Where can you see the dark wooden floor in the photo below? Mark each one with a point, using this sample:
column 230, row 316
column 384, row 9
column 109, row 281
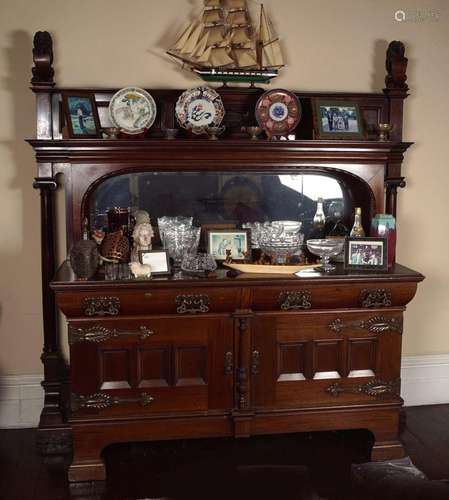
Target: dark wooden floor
column 303, row 466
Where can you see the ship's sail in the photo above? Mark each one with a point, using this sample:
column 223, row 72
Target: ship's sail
column 223, row 37
column 271, row 53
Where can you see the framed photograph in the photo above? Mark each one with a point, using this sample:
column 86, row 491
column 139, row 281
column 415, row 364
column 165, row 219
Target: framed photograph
column 237, row 241
column 81, row 115
column 369, row 254
column 337, row 120
column 157, row 259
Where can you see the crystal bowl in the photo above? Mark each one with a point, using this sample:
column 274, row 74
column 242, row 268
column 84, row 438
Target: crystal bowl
column 326, row 248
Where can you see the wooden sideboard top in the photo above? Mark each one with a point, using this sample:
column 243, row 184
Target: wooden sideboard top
column 65, row 279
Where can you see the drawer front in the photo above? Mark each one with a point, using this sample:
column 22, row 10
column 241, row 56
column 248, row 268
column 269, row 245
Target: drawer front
column 303, row 298
column 113, row 302
column 151, row 365
column 326, row 357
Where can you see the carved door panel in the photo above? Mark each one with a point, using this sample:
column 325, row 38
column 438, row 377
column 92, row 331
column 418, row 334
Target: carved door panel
column 142, row 365
column 303, row 359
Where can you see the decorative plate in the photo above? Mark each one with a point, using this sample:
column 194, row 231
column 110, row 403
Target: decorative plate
column 278, row 112
column 132, row 110
column 199, row 108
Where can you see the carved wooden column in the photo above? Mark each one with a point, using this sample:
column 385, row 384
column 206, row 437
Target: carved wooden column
column 396, row 86
column 396, row 91
column 53, row 437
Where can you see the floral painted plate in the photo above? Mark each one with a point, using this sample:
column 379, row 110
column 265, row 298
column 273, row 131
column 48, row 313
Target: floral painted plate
column 132, row 110
column 199, row 108
column 278, row 112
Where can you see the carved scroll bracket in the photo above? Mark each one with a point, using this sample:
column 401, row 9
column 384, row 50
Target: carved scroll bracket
column 43, row 71
column 101, row 401
column 375, row 388
column 301, row 299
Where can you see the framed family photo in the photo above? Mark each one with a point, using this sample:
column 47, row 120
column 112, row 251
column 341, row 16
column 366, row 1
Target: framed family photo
column 158, row 260
column 337, row 120
column 221, row 242
column 81, row 115
column 369, row 254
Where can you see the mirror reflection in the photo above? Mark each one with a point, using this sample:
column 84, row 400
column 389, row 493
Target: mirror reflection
column 224, row 199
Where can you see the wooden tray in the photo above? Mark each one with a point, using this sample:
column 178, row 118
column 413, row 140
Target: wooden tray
column 268, row 269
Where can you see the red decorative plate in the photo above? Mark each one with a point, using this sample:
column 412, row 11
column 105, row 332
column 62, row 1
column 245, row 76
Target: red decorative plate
column 278, row 112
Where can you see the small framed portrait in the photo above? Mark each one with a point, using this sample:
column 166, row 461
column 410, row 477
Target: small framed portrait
column 337, row 120
column 158, row 260
column 81, row 115
column 235, row 243
column 369, row 254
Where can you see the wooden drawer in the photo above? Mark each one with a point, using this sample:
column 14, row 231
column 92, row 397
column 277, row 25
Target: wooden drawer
column 297, row 298
column 151, row 365
column 324, row 357
column 116, row 302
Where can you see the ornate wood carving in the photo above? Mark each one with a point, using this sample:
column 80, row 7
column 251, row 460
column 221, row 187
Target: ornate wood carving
column 101, row 401
column 101, row 306
column 43, row 71
column 192, row 304
column 375, row 324
column 375, row 388
column 396, row 66
column 98, row 334
column 392, row 186
column 242, row 371
column 229, row 363
column 380, row 297
column 301, row 299
column 255, row 362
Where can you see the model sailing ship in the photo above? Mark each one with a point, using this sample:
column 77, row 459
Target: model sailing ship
column 223, row 45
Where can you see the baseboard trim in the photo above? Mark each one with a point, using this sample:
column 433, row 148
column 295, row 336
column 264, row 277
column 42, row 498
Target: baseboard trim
column 21, row 401
column 425, row 381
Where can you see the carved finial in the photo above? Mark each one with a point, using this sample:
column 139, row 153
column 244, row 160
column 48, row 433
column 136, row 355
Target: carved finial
column 43, row 59
column 396, row 65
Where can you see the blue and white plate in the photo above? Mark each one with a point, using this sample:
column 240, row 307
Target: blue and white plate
column 199, row 108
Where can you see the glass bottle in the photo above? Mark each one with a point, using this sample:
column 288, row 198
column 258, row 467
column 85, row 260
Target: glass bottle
column 319, row 219
column 357, row 230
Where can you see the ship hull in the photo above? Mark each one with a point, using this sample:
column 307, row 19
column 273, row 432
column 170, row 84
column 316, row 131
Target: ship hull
column 236, row 76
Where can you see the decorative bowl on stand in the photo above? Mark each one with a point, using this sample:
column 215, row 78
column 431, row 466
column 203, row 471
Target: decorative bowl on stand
column 325, row 249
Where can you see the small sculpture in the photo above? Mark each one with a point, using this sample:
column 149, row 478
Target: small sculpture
column 84, row 259
column 142, row 236
column 139, row 270
column 228, row 259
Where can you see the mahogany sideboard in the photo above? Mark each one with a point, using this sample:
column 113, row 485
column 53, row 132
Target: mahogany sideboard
column 182, row 357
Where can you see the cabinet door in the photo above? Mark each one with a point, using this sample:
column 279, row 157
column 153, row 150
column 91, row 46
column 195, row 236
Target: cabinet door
column 151, row 365
column 307, row 359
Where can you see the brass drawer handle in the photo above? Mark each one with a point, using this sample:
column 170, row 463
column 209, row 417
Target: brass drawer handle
column 102, row 401
column 101, row 306
column 98, row 334
column 229, row 363
column 191, row 304
column 295, row 300
column 148, row 295
column 379, row 297
column 375, row 324
column 255, row 362
column 375, row 388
